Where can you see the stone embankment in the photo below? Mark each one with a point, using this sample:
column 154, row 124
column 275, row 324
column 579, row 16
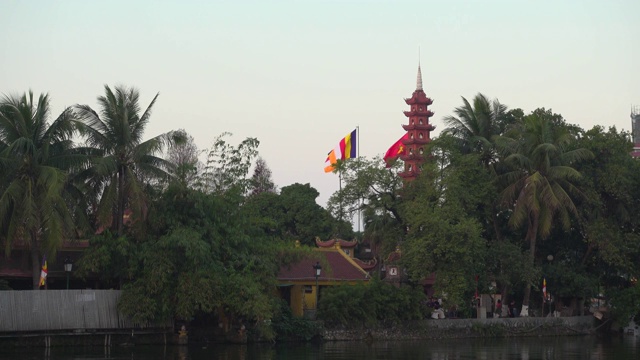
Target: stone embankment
column 466, row 328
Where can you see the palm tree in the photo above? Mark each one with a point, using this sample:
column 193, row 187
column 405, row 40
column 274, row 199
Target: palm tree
column 476, row 126
column 35, row 160
column 124, row 160
column 539, row 186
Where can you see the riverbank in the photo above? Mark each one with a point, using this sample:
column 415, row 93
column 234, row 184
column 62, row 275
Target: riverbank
column 468, row 328
column 414, row 330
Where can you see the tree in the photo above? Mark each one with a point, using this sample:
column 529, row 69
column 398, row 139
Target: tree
column 227, row 166
column 444, row 234
column 200, row 257
column 35, row 158
column 261, row 180
column 371, row 189
column 476, row 126
column 305, row 220
column 475, row 129
column 124, row 160
column 540, row 183
column 183, row 157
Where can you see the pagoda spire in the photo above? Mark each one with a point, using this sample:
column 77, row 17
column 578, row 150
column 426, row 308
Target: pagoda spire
column 418, row 131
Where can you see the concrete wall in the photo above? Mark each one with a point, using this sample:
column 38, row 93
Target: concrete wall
column 53, row 310
column 464, row 328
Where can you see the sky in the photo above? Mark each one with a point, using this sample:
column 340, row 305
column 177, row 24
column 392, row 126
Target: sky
column 300, row 75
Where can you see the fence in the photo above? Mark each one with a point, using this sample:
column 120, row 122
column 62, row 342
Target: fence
column 54, row 310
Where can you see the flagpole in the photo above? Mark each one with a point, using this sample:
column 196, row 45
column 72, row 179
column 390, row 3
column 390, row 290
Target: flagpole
column 360, row 200
column 340, row 192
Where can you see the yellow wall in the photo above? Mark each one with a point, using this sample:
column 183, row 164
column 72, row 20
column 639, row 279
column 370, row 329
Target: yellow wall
column 296, row 300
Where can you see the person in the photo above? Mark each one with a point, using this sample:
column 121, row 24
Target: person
column 498, row 312
column 512, row 309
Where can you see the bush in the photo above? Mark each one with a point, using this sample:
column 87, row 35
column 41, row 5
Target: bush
column 289, row 327
column 371, row 303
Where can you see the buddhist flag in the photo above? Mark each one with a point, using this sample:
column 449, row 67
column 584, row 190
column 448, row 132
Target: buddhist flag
column 347, row 148
column 395, row 150
column 44, row 272
column 544, row 288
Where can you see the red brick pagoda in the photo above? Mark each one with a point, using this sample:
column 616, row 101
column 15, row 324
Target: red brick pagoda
column 418, row 131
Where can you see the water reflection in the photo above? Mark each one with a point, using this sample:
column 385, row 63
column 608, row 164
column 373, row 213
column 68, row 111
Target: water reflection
column 543, row 348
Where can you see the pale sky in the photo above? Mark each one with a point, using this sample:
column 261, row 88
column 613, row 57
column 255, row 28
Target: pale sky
column 300, row 75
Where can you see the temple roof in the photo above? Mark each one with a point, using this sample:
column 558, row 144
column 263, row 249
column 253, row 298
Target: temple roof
column 332, row 243
column 394, row 256
column 366, row 265
column 336, row 266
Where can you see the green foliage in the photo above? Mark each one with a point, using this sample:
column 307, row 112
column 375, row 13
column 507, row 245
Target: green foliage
column 290, row 327
column 443, row 235
column 370, row 187
column 183, row 155
column 36, row 194
column 261, row 180
column 109, row 257
column 625, row 302
column 475, row 126
column 199, row 256
column 123, row 163
column 227, row 166
column 292, row 215
column 371, row 303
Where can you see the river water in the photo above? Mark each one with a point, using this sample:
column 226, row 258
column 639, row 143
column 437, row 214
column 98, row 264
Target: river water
column 575, row 347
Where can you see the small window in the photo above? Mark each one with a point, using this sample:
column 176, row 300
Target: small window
column 411, row 136
column 412, row 121
column 420, row 109
column 420, row 135
column 420, row 121
column 421, row 151
column 308, row 289
column 411, row 151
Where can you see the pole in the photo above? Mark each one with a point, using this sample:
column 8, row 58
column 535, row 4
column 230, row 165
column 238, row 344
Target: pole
column 360, row 205
column 67, row 280
column 340, row 192
column 317, row 292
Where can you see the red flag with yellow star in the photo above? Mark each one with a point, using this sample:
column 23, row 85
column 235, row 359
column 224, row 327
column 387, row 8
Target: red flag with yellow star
column 395, row 150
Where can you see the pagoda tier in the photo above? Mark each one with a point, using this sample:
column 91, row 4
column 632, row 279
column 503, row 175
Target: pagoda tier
column 415, row 141
column 421, row 113
column 419, row 97
column 408, row 175
column 423, row 127
column 409, row 157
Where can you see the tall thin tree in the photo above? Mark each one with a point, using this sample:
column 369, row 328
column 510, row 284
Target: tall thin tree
column 125, row 159
column 35, row 158
column 540, row 184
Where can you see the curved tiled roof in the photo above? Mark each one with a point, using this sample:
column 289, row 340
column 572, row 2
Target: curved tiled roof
column 394, row 256
column 366, row 265
column 332, row 242
column 336, row 266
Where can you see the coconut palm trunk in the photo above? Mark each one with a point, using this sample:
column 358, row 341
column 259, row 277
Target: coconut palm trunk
column 37, row 160
column 539, row 185
column 124, row 160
